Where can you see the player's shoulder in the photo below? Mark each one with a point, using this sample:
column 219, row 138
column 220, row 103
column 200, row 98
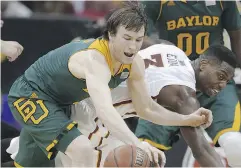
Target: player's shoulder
column 158, row 46
column 161, row 49
column 89, row 56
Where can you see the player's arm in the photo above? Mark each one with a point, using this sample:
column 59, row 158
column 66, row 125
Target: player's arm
column 148, row 109
column 235, row 39
column 232, row 23
column 186, row 103
column 97, row 74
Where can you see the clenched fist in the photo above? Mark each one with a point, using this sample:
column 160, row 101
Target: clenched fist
column 11, row 49
column 201, row 117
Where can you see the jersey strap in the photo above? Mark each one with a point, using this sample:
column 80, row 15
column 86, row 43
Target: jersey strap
column 103, row 47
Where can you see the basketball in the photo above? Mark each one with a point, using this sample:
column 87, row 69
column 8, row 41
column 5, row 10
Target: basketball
column 127, row 156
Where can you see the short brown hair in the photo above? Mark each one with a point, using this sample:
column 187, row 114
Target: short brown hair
column 131, row 15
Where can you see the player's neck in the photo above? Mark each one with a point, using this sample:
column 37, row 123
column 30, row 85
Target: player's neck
column 115, row 64
column 195, row 66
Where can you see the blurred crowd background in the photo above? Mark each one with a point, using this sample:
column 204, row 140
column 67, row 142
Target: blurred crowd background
column 89, row 9
column 40, row 26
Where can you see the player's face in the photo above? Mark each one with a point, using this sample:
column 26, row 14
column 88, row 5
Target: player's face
column 125, row 44
column 214, row 78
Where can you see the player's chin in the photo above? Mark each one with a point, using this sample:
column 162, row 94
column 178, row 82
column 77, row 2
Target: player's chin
column 128, row 60
column 208, row 92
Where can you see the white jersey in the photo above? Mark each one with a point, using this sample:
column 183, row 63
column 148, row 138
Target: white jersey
column 166, row 65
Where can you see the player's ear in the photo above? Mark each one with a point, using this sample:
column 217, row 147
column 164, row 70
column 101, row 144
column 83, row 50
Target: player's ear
column 203, row 64
column 110, row 35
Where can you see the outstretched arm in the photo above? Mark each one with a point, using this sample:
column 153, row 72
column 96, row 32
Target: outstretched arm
column 95, row 71
column 186, row 103
column 97, row 74
column 149, row 109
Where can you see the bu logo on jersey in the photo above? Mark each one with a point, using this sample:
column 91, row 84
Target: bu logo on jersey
column 124, row 75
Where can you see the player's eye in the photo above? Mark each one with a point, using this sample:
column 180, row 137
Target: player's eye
column 138, row 40
column 221, row 77
column 126, row 38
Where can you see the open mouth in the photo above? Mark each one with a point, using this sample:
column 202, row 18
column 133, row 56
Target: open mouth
column 128, row 54
column 214, row 92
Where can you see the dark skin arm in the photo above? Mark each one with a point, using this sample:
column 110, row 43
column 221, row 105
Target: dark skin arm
column 183, row 100
column 235, row 39
column 231, row 21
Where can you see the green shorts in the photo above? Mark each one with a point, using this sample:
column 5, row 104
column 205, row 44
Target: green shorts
column 226, row 117
column 47, row 128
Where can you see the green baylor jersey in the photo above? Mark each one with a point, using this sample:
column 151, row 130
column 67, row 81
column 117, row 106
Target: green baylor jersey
column 51, row 75
column 192, row 25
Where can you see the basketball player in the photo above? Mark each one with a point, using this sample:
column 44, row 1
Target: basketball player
column 193, row 26
column 171, row 81
column 173, row 96
column 40, row 98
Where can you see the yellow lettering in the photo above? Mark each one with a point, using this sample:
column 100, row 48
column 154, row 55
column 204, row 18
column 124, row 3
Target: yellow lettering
column 28, row 108
column 45, row 114
column 171, row 25
column 215, row 21
column 202, row 37
column 181, row 23
column 185, row 40
column 207, row 20
column 188, row 40
column 198, row 23
column 190, row 20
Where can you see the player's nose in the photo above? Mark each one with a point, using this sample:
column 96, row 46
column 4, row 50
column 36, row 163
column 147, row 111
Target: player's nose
column 132, row 46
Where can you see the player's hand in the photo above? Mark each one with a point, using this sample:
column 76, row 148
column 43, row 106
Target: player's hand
column 153, row 153
column 11, row 49
column 201, row 117
column 208, row 116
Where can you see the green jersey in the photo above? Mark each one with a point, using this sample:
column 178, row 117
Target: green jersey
column 51, row 75
column 192, row 25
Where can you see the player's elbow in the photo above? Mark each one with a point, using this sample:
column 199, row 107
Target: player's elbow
column 142, row 110
column 143, row 113
column 105, row 113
